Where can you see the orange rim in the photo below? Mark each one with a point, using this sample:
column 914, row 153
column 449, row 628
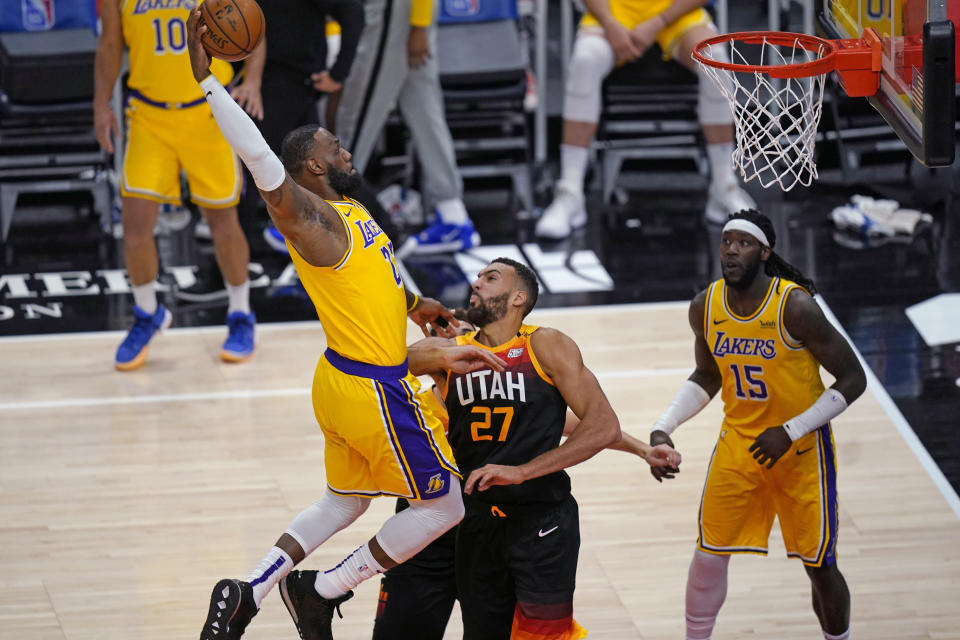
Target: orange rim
column 824, row 64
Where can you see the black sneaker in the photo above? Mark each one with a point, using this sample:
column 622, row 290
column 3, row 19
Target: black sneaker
column 311, row 612
column 231, row 610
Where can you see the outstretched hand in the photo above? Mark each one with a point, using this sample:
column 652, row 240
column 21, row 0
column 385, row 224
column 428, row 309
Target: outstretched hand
column 663, row 455
column 199, row 58
column 429, row 314
column 493, row 475
column 660, row 473
column 467, row 358
column 770, row 446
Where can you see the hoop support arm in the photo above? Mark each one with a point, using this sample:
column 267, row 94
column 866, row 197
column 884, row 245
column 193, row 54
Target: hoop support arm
column 858, row 64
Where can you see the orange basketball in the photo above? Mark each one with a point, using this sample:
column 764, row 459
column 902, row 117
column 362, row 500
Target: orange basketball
column 234, row 28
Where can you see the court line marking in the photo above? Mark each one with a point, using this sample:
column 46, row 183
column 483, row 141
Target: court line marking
column 897, row 418
column 247, row 394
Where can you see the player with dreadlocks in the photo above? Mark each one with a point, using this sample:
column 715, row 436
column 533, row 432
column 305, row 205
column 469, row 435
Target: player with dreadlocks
column 760, row 340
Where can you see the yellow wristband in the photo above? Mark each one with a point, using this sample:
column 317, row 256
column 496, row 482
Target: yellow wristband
column 416, row 301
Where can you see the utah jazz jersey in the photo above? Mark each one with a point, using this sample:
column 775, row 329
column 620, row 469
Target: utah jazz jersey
column 156, row 33
column 509, row 418
column 768, row 377
column 360, row 300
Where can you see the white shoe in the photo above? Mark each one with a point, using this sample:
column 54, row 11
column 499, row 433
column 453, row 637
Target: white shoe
column 726, row 199
column 564, row 214
column 202, row 230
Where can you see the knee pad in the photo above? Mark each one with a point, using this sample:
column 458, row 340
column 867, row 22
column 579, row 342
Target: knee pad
column 706, row 583
column 592, row 60
column 409, row 531
column 712, row 105
column 315, row 524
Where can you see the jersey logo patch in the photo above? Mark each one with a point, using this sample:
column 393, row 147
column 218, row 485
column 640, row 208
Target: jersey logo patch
column 434, row 484
column 768, row 325
column 715, row 321
column 542, row 533
column 515, row 353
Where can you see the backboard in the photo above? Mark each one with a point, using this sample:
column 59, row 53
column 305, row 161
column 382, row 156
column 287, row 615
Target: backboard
column 919, row 57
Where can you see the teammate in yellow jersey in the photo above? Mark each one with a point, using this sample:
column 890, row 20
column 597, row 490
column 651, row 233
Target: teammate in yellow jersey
column 379, row 440
column 169, row 128
column 760, row 340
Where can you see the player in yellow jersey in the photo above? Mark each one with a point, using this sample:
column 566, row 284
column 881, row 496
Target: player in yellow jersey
column 169, row 128
column 379, row 440
column 761, row 340
column 615, row 32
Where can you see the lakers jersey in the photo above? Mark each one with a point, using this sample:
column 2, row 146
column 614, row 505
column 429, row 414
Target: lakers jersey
column 155, row 31
column 768, row 377
column 360, row 301
column 507, row 417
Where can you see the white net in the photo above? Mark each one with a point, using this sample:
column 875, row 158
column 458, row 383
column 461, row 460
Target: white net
column 775, row 119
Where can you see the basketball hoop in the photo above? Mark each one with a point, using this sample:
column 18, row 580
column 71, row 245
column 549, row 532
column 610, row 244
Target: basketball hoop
column 774, row 83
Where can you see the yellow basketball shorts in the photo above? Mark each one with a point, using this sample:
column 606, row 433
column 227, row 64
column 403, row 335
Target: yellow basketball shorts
column 741, row 498
column 161, row 142
column 380, row 439
column 632, row 14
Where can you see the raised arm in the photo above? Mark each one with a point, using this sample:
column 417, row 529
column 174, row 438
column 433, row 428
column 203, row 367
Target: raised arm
column 106, row 68
column 301, row 216
column 599, row 428
column 804, row 321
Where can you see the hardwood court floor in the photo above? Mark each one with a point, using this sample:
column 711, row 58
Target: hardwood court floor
column 124, row 497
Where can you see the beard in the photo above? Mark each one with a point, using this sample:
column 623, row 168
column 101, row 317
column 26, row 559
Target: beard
column 749, row 274
column 342, row 182
column 488, row 311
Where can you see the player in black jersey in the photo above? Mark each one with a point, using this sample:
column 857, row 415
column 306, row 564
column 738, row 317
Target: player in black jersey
column 516, row 550
column 417, row 597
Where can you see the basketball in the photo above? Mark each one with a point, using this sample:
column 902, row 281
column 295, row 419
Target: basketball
column 234, row 28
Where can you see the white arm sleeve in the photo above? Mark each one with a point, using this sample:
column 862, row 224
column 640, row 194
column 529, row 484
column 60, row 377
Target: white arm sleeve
column 828, row 406
column 689, row 401
column 243, row 136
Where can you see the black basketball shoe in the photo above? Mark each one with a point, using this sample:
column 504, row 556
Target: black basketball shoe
column 231, row 610
column 311, row 612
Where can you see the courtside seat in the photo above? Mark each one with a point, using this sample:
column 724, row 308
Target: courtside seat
column 47, row 139
column 649, row 113
column 483, row 69
column 48, row 148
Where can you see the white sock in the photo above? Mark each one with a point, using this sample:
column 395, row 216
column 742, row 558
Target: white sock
column 843, row 636
column 706, row 591
column 145, row 296
column 573, row 165
column 355, row 568
column 721, row 166
column 452, row 211
column 274, row 566
column 238, row 297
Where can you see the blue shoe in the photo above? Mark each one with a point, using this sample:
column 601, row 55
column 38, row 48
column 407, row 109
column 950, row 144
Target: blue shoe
column 240, row 337
column 440, row 237
column 132, row 352
column 275, row 239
